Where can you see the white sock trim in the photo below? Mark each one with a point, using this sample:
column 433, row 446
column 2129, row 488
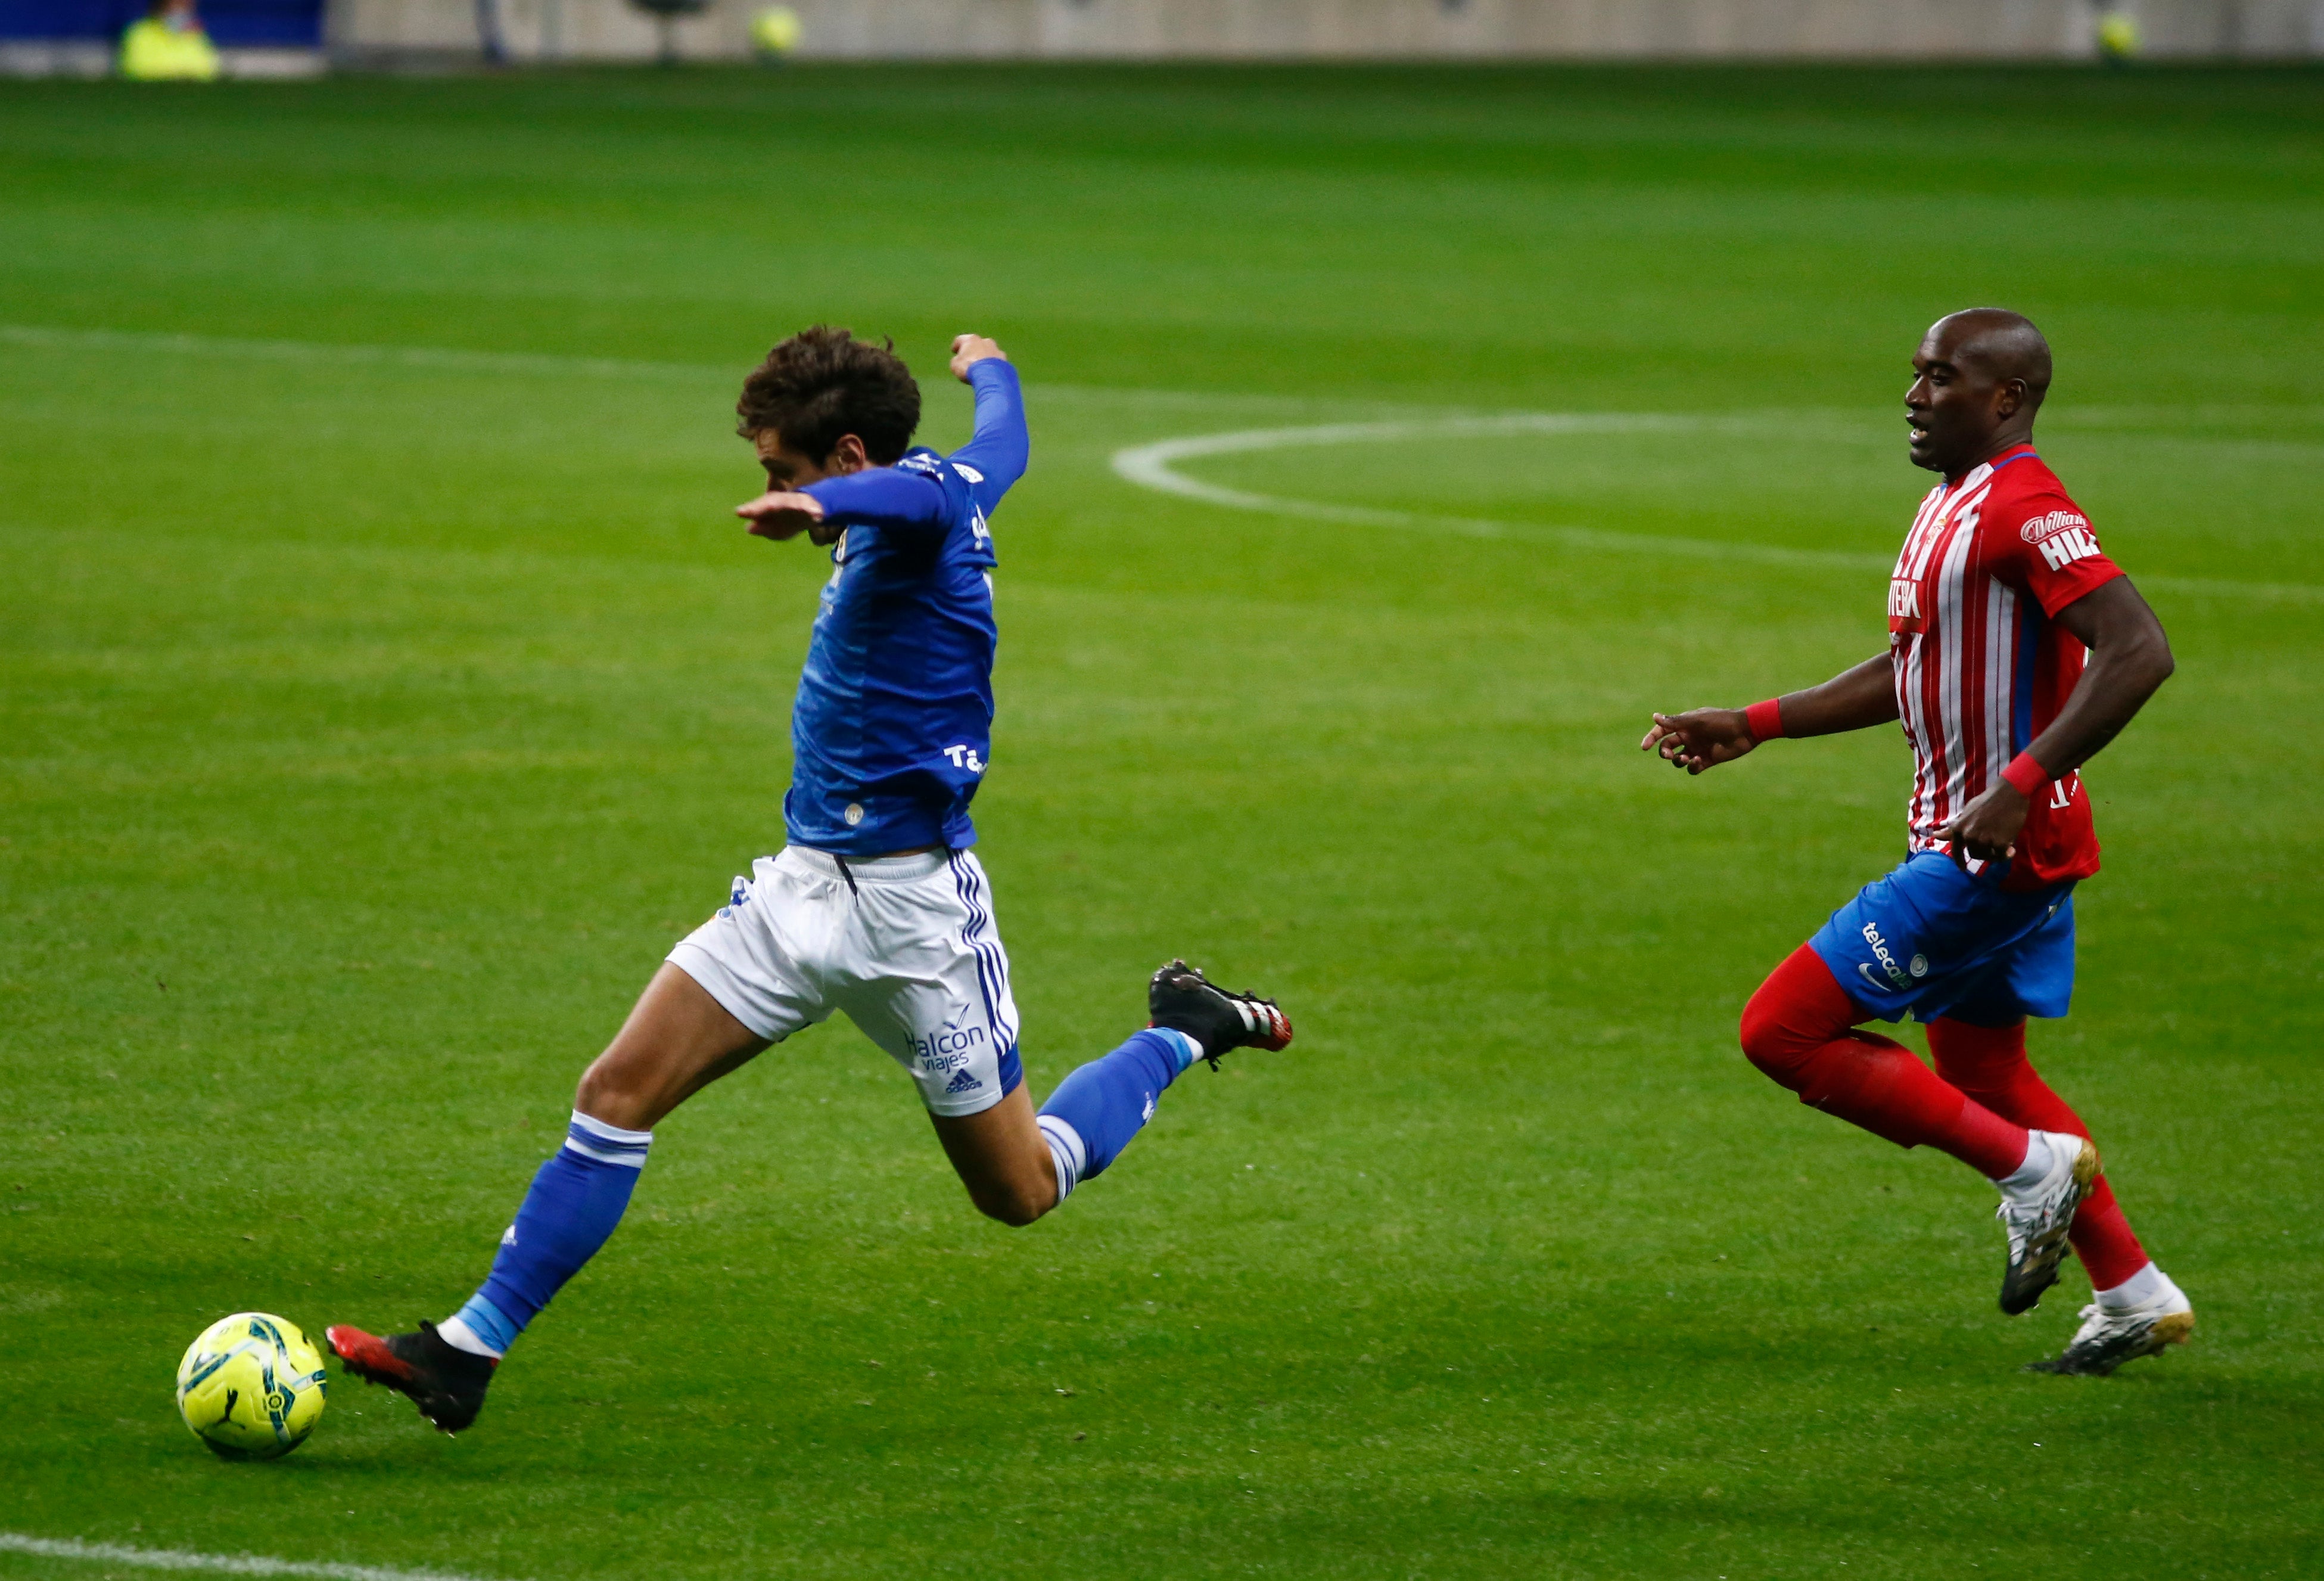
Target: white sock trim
column 2039, row 1161
column 608, row 1144
column 604, row 1133
column 1193, row 1050
column 1066, row 1151
column 460, row 1337
column 2148, row 1284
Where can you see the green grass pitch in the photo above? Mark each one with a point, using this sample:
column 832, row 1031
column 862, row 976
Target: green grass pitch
column 371, row 720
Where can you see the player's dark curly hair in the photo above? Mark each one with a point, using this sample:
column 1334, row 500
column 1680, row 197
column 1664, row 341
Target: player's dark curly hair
column 823, row 383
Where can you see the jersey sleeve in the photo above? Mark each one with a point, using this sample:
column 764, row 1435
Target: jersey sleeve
column 2044, row 545
column 881, row 496
column 997, row 454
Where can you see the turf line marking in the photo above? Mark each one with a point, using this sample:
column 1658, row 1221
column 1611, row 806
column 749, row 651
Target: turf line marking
column 53, row 336
column 554, row 364
column 2207, row 588
column 437, row 357
column 1151, row 465
column 46, row 1548
column 550, row 365
column 1154, row 466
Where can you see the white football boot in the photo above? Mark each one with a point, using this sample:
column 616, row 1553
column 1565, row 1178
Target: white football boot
column 2107, row 1338
column 2037, row 1217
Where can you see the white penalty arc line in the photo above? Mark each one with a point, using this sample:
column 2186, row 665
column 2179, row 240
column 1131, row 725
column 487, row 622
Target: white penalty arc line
column 50, row 1547
column 1154, row 466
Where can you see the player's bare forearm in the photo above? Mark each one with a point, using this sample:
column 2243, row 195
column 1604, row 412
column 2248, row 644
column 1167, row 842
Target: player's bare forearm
column 2130, row 659
column 1857, row 698
column 1701, row 738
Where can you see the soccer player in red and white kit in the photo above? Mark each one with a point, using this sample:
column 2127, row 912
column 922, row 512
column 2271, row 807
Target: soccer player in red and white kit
column 1999, row 593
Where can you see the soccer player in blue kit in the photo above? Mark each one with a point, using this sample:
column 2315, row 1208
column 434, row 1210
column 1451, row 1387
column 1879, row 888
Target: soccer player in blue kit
column 877, row 906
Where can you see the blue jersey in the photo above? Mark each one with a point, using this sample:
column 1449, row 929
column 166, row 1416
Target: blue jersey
column 893, row 726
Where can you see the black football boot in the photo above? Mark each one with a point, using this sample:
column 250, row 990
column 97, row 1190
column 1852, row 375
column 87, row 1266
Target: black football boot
column 1182, row 1000
column 445, row 1382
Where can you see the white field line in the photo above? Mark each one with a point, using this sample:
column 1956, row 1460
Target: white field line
column 552, row 362
column 1154, row 466
column 1149, row 466
column 557, row 364
column 107, row 1553
column 434, row 357
column 548, row 364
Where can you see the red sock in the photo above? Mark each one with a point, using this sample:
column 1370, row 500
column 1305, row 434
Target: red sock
column 1797, row 1029
column 1989, row 1064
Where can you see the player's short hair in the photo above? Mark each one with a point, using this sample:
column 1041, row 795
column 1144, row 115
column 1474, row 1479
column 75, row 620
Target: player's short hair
column 822, row 385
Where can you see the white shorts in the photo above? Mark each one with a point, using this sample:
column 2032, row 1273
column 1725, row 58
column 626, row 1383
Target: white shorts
column 905, row 945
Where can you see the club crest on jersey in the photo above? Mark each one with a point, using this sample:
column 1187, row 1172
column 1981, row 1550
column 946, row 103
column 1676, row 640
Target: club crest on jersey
column 2063, row 536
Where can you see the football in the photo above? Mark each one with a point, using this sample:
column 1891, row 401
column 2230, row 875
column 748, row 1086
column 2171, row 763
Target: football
column 252, row 1386
column 775, row 33
column 2118, row 36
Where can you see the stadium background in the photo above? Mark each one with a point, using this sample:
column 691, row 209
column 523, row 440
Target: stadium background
column 382, row 684
column 296, row 37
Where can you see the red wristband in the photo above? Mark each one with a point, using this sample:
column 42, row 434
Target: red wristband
column 2028, row 774
column 1764, row 721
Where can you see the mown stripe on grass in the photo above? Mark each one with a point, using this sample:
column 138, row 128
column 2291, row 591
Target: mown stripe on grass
column 53, row 1547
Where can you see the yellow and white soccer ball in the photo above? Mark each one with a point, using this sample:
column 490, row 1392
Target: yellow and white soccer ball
column 252, row 1386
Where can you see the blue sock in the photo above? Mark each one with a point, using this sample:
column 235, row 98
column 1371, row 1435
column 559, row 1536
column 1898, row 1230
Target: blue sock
column 1096, row 1110
column 576, row 1198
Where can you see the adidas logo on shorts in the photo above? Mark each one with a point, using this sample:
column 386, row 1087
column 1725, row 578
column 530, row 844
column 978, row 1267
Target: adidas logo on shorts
column 964, row 1081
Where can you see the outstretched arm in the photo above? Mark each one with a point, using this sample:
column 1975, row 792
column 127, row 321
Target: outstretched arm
column 878, row 496
column 885, row 496
column 2130, row 658
column 1700, row 738
column 1000, row 448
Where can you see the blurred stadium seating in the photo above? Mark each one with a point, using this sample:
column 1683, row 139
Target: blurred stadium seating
column 415, row 31
column 77, row 37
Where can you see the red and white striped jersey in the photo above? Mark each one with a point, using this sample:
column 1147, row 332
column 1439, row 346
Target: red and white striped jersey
column 1981, row 667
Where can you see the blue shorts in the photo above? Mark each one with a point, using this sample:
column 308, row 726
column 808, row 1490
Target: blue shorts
column 1930, row 940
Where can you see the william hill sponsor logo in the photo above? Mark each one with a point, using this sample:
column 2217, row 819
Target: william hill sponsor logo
column 2051, row 526
column 2063, row 536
